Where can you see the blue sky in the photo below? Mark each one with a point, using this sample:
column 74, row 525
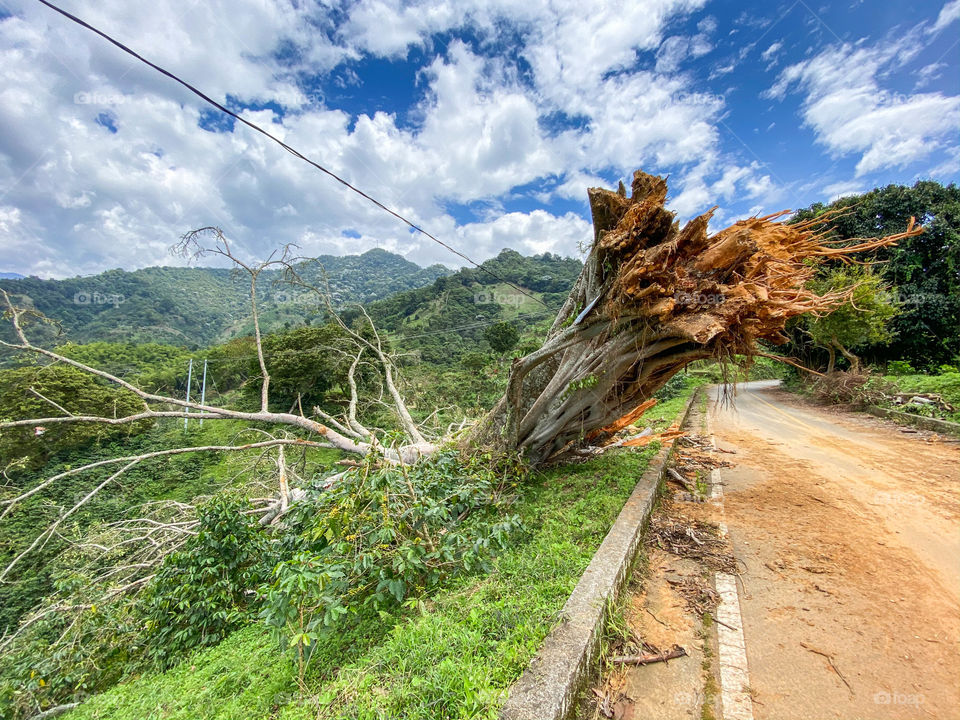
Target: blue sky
column 484, row 122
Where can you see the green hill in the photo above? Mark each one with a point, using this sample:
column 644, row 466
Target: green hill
column 201, row 306
column 447, row 319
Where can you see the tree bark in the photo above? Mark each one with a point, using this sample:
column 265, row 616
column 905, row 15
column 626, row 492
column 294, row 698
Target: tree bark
column 851, row 358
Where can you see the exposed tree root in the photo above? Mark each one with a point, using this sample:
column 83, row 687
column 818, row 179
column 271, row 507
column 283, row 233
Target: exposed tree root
column 652, row 298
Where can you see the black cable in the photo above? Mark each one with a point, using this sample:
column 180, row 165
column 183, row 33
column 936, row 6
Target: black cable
column 293, row 151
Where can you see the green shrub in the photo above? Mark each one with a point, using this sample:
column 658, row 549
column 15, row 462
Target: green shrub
column 900, row 367
column 200, row 593
column 384, row 535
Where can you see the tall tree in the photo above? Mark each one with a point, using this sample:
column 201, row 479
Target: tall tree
column 923, row 270
column 865, row 318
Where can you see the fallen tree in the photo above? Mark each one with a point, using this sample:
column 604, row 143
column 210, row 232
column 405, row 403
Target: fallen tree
column 651, row 299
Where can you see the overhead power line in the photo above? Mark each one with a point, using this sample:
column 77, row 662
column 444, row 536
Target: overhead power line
column 293, row 151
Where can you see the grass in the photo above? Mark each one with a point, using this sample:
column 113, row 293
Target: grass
column 454, row 657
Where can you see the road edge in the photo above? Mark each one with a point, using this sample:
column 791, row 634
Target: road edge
column 926, row 423
column 548, row 688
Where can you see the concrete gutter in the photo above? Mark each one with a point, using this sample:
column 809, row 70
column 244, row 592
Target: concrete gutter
column 549, row 686
column 927, row 423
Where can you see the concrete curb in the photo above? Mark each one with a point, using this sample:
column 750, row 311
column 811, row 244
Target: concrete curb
column 927, row 423
column 549, row 686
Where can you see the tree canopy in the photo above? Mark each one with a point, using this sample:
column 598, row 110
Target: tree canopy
column 923, row 270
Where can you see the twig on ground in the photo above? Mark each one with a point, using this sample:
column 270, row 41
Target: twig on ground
column 646, row 659
column 833, row 665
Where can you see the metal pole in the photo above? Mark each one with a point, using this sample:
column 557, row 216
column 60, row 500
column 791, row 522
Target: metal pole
column 189, row 382
column 203, row 388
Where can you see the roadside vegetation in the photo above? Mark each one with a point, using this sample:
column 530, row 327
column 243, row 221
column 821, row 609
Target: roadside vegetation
column 896, row 343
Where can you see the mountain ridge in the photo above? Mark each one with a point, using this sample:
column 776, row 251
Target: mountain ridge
column 195, row 306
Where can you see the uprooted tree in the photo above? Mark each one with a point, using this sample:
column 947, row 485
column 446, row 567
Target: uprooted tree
column 652, row 298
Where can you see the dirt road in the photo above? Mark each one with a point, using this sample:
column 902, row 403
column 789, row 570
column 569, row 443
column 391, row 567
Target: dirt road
column 848, row 535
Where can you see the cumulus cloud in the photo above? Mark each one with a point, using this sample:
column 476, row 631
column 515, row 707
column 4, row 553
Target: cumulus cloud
column 851, row 113
column 104, row 163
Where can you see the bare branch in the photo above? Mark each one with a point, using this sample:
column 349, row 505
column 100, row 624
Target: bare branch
column 51, row 402
column 10, row 503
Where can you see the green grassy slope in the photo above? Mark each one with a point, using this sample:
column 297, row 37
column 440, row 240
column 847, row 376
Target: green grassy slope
column 452, row 657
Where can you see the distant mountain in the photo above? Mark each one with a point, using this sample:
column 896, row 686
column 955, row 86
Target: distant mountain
column 444, row 320
column 202, row 306
column 10, row 276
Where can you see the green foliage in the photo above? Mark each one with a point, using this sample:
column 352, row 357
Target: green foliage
column 152, row 366
column 305, row 362
column 864, row 319
column 78, row 392
column 674, row 387
column 946, row 385
column 40, row 675
column 924, row 271
column 503, row 337
column 382, row 535
column 443, row 321
column 900, row 367
column 453, row 656
column 199, row 593
column 475, row 361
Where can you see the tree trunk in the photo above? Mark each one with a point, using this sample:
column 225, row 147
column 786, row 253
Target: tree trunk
column 851, row 358
column 651, row 299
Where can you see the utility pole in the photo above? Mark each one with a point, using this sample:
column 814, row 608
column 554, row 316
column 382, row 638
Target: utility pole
column 203, row 388
column 189, row 382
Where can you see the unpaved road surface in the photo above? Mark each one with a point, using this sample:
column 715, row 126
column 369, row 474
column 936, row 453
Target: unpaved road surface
column 847, row 532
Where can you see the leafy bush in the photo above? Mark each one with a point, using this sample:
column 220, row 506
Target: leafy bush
column 674, row 387
column 900, row 367
column 384, row 535
column 200, row 593
column 21, row 396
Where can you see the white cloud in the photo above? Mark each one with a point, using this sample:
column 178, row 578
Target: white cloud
column 770, row 55
column 949, row 14
column 837, row 190
column 851, row 114
column 86, row 198
column 772, row 50
column 534, row 232
column 676, row 49
column 928, row 73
